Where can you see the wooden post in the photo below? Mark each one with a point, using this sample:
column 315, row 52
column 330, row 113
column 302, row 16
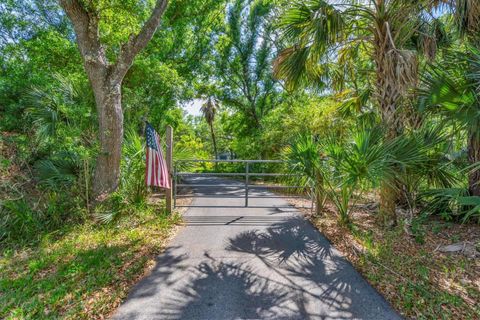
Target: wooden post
column 169, row 160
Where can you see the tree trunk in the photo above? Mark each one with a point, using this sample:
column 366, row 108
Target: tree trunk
column 388, row 200
column 214, row 141
column 319, row 194
column 387, row 96
column 474, row 158
column 106, row 81
column 110, row 119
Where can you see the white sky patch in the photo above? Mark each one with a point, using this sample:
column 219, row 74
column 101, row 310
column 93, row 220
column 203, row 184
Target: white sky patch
column 193, row 107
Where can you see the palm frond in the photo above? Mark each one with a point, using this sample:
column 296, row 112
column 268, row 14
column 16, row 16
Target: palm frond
column 452, row 202
column 49, row 107
column 209, row 109
column 312, row 27
column 303, row 160
column 61, row 170
column 452, row 91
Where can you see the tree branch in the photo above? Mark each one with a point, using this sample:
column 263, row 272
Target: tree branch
column 136, row 43
column 85, row 24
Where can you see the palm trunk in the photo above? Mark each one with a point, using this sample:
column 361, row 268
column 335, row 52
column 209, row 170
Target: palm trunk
column 319, row 195
column 474, row 158
column 110, row 119
column 387, row 95
column 212, row 132
column 388, row 194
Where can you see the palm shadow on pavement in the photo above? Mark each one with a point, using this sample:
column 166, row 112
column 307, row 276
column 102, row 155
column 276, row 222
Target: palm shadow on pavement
column 307, row 262
column 284, row 271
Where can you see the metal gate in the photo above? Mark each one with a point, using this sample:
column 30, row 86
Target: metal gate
column 246, row 186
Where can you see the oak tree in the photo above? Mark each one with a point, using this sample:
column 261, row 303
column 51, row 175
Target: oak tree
column 106, row 78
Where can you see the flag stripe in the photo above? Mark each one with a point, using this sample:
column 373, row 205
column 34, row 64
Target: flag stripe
column 156, row 167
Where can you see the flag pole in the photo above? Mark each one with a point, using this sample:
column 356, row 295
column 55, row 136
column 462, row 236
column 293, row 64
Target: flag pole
column 169, row 160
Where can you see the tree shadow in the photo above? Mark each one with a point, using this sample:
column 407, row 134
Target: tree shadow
column 286, row 270
column 218, row 290
column 291, row 237
column 307, row 262
column 166, row 264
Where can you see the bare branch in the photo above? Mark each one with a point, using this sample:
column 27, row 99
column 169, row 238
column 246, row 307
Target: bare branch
column 136, row 43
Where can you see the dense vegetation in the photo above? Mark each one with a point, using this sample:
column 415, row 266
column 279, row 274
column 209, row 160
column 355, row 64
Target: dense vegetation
column 363, row 99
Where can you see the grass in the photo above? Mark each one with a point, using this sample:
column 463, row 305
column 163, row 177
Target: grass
column 85, row 273
column 418, row 280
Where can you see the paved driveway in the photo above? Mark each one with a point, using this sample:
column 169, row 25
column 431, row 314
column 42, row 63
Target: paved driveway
column 264, row 262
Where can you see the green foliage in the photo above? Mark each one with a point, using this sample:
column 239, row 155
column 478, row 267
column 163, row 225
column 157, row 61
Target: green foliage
column 24, row 225
column 346, row 168
column 304, row 160
column 47, row 107
column 354, row 164
column 292, row 79
column 452, row 92
column 88, row 269
column 313, row 34
column 305, row 168
column 243, row 63
column 332, row 45
column 132, row 185
column 61, row 171
column 452, row 203
column 18, row 220
column 228, row 53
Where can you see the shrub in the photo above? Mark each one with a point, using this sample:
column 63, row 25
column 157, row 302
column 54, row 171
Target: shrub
column 452, row 203
column 22, row 223
column 18, row 221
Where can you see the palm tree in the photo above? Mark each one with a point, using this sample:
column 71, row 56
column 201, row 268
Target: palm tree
column 348, row 168
column 209, row 109
column 461, row 81
column 323, row 34
column 467, row 22
column 467, row 18
column 453, row 93
column 306, row 167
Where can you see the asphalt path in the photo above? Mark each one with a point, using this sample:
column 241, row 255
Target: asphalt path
column 261, row 262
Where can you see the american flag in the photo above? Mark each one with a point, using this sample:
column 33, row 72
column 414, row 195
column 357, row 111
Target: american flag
column 156, row 173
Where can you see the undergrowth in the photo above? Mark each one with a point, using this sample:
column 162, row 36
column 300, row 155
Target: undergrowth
column 408, row 271
column 85, row 272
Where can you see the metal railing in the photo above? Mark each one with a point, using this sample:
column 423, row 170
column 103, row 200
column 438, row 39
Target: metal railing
column 246, row 186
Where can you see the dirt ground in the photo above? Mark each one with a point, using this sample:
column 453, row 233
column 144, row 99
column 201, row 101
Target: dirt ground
column 411, row 271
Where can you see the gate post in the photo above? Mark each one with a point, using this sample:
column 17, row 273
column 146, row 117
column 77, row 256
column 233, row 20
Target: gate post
column 169, row 160
column 246, row 182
